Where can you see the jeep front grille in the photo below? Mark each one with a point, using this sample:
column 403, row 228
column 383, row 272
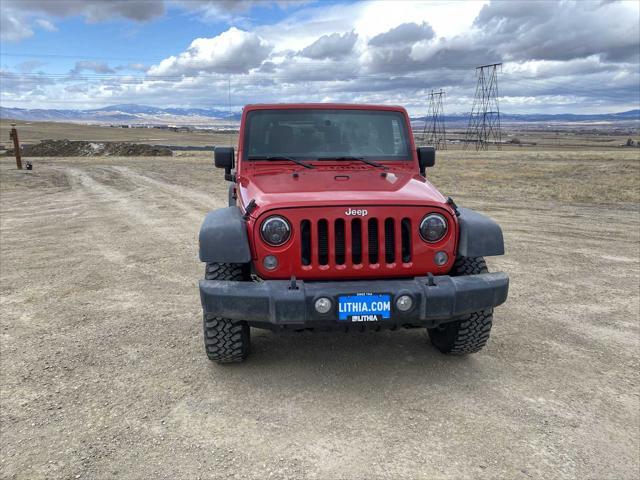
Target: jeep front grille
column 329, row 243
column 344, row 241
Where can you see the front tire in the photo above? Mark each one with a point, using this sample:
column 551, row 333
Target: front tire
column 470, row 333
column 225, row 340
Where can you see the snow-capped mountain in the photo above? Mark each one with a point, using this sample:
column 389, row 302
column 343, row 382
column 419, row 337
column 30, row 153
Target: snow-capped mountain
column 132, row 114
column 126, row 114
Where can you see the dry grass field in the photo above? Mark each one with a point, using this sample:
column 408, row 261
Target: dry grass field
column 33, row 132
column 568, row 138
column 103, row 373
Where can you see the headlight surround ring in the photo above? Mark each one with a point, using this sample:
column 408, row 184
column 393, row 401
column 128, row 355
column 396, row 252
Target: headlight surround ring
column 275, row 231
column 433, row 227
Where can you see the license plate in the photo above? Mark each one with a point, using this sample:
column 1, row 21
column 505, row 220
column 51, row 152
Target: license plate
column 364, row 307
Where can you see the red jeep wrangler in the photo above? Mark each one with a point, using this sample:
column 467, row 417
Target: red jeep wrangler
column 332, row 224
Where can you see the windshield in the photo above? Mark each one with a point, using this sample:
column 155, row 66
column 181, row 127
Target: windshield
column 323, row 134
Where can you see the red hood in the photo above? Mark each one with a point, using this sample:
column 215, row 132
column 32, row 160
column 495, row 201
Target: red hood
column 337, row 187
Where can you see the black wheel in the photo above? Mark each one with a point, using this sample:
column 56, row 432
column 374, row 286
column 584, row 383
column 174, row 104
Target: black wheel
column 225, row 340
column 470, row 333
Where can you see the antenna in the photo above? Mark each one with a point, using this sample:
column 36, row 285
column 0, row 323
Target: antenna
column 434, row 132
column 230, row 115
column 484, row 120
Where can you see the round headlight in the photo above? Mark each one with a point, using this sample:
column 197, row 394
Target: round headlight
column 275, row 230
column 433, row 227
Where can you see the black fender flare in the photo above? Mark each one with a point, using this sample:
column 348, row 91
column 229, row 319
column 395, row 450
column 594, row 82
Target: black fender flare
column 480, row 236
column 223, row 237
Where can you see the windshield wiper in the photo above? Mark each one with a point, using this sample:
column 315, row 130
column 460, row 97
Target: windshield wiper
column 340, row 158
column 279, row 157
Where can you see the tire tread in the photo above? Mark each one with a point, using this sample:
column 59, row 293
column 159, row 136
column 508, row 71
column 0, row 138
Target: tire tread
column 225, row 340
column 470, row 333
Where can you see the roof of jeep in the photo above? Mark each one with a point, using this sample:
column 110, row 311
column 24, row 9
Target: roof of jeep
column 331, row 106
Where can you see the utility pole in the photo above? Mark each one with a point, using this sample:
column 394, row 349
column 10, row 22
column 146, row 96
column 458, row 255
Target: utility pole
column 16, row 145
column 434, row 132
column 484, row 121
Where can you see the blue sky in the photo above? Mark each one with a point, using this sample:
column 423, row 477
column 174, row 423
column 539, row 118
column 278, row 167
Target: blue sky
column 122, row 40
column 565, row 56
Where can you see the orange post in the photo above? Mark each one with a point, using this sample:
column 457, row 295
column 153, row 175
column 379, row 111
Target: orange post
column 16, row 146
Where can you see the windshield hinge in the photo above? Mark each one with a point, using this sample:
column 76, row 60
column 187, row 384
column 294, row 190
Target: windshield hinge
column 251, row 206
column 453, row 205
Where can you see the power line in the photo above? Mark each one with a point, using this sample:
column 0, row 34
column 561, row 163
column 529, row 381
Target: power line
column 484, row 120
column 304, row 63
column 134, row 78
column 263, row 75
column 238, row 78
column 434, row 129
column 79, row 57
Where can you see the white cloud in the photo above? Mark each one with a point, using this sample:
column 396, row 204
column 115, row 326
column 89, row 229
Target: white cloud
column 561, row 30
column 46, row 25
column 331, row 46
column 305, row 26
column 136, row 66
column 13, row 27
column 91, row 10
column 231, row 12
column 447, row 18
column 233, row 51
column 92, row 66
column 404, row 34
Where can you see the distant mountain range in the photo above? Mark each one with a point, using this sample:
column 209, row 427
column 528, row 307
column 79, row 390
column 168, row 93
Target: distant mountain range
column 131, row 114
column 630, row 115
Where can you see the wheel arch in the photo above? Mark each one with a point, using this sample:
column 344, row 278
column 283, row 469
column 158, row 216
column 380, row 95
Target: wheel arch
column 479, row 235
column 223, row 237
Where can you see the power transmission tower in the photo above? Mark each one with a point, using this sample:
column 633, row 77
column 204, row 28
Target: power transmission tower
column 484, row 122
column 434, row 132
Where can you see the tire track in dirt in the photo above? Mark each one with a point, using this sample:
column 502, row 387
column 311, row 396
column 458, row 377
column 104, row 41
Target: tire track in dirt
column 108, row 224
column 188, row 195
column 40, row 211
column 145, row 226
column 101, row 193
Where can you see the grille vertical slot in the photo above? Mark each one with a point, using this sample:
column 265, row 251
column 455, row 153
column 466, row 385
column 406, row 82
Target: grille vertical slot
column 331, row 242
column 339, row 241
column 373, row 240
column 305, row 242
column 356, row 241
column 323, row 242
column 405, row 227
column 389, row 241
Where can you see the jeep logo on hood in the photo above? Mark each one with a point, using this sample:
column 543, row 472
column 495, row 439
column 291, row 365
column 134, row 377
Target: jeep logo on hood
column 356, row 212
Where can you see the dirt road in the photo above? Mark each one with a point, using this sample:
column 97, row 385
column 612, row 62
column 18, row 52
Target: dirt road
column 104, row 375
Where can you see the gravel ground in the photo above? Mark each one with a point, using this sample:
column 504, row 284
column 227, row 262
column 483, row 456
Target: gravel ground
column 104, row 374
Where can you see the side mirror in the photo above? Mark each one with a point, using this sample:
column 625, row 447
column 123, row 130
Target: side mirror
column 224, row 157
column 426, row 158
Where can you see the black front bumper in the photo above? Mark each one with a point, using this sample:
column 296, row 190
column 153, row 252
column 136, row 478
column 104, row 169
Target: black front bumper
column 274, row 303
